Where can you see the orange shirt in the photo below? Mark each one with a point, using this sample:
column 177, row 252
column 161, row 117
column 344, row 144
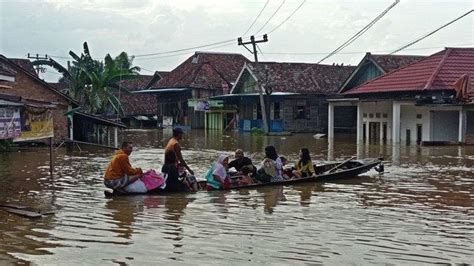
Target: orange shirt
column 119, row 166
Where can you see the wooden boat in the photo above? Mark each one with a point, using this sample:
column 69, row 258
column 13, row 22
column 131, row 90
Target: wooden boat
column 327, row 172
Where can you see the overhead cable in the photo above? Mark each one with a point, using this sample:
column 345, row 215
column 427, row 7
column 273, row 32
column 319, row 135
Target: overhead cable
column 285, row 20
column 274, row 13
column 433, row 32
column 255, row 20
column 359, row 33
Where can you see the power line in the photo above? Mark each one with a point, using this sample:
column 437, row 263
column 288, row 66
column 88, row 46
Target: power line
column 260, row 50
column 355, row 52
column 433, row 32
column 255, row 20
column 186, row 49
column 359, row 33
column 184, row 53
column 276, row 11
column 285, row 20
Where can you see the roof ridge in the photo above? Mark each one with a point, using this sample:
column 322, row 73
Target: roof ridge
column 393, row 71
column 211, row 52
column 438, row 68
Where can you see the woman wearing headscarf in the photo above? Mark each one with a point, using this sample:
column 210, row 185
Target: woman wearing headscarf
column 217, row 176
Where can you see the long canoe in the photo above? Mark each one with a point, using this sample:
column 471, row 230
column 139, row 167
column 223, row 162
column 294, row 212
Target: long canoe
column 327, row 172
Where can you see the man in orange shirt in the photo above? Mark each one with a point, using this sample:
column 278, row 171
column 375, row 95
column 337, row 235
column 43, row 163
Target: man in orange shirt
column 120, row 173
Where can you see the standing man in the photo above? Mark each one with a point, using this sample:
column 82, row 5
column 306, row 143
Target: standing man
column 173, row 145
column 120, row 173
column 240, row 161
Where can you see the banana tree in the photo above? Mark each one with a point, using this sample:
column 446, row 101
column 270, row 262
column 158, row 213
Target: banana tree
column 96, row 83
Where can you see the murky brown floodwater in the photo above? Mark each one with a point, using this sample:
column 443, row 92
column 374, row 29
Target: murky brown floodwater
column 419, row 211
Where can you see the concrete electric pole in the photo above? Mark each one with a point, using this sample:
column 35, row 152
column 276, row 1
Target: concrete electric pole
column 259, row 86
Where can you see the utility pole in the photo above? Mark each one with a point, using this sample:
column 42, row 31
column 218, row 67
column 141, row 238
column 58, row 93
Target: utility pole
column 259, row 86
column 38, row 67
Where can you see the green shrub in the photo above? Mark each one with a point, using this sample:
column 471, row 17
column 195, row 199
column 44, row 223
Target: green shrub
column 257, row 131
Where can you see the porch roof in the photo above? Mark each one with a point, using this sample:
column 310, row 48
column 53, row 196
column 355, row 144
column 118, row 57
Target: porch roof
column 101, row 120
column 253, row 94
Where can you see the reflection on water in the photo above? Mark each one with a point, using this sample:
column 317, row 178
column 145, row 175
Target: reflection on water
column 419, row 211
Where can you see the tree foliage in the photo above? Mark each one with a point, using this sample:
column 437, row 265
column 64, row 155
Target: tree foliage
column 96, row 83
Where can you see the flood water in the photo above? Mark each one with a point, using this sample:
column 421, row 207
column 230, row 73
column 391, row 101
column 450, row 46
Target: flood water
column 419, row 211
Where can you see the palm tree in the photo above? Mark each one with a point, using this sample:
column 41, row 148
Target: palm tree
column 96, row 83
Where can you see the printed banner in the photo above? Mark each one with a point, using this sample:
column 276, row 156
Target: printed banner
column 10, row 124
column 201, row 106
column 36, row 123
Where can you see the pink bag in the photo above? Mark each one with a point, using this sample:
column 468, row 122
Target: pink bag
column 152, row 180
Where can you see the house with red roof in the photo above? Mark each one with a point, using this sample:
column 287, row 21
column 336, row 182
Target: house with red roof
column 426, row 101
column 182, row 92
column 294, row 95
column 369, row 68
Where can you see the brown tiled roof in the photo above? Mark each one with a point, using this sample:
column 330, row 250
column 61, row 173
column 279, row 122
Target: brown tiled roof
column 25, row 64
column 392, row 62
column 302, row 77
column 140, row 104
column 437, row 72
column 60, row 86
column 5, row 70
column 205, row 70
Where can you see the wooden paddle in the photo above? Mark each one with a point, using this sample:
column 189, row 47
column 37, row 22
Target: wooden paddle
column 339, row 165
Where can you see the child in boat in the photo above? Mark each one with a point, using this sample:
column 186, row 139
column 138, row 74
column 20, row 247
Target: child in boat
column 246, row 178
column 286, row 172
column 189, row 180
column 304, row 167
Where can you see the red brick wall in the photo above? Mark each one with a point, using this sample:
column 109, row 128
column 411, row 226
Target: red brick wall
column 26, row 86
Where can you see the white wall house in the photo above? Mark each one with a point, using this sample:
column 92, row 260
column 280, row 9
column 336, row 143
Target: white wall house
column 418, row 103
column 402, row 122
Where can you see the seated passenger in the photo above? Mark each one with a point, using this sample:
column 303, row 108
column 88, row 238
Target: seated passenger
column 304, row 167
column 246, row 176
column 217, row 175
column 240, row 160
column 120, row 174
column 271, row 168
column 189, row 180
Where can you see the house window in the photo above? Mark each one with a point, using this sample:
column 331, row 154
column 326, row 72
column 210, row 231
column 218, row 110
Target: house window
column 276, row 110
column 257, row 111
column 418, row 116
column 301, row 111
column 365, row 115
column 377, row 115
column 371, row 115
column 384, row 115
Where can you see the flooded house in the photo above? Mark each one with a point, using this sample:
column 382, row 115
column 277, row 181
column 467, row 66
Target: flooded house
column 188, row 87
column 19, row 79
column 429, row 101
column 369, row 68
column 294, row 95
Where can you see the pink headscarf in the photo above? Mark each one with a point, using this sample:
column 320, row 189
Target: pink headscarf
column 219, row 168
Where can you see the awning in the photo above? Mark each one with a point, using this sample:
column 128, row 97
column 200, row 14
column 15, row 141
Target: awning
column 101, row 120
column 141, row 118
column 162, row 91
column 8, row 103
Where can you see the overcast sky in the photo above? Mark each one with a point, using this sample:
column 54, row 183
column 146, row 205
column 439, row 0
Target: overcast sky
column 143, row 27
